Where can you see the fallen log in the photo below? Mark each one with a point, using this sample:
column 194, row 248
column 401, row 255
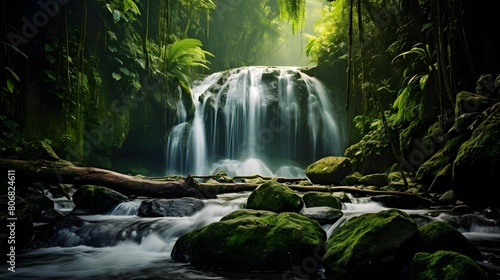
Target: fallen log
column 54, row 172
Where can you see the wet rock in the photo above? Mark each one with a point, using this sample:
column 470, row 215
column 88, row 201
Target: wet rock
column 479, row 156
column 438, row 235
column 51, row 215
column 99, row 200
column 375, row 179
column 371, row 246
column 444, row 265
column 329, row 170
column 316, row 199
column 322, row 214
column 252, row 240
column 181, row 207
column 275, row 197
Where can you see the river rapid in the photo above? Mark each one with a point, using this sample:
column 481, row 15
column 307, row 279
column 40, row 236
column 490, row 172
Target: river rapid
column 122, row 245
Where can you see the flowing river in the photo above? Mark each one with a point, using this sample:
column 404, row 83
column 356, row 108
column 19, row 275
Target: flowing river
column 121, row 245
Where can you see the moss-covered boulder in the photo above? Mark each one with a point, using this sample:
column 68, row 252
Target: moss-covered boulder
column 475, row 169
column 439, row 235
column 372, row 246
column 317, row 199
column 342, row 196
column 430, row 169
column 275, row 197
column 99, row 200
column 468, row 102
column 252, row 240
column 375, row 179
column 445, row 265
column 352, row 179
column 329, row 170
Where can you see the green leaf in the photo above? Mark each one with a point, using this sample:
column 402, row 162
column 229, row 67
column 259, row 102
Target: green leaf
column 125, row 71
column 10, row 85
column 423, row 81
column 116, row 76
column 14, row 75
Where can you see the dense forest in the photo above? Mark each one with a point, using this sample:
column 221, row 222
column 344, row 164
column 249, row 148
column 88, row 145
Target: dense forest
column 257, row 139
column 99, row 80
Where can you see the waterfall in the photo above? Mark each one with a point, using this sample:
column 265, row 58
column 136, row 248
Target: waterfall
column 272, row 121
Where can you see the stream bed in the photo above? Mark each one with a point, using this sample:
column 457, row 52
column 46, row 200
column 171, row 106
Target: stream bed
column 122, row 245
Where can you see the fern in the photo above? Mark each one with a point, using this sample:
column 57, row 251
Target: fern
column 181, row 57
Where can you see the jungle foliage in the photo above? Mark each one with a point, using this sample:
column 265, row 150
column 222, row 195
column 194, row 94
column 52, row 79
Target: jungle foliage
column 406, row 62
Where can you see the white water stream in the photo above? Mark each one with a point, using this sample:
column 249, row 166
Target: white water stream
column 121, row 245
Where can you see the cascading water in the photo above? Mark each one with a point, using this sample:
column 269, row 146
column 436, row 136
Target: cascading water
column 256, row 120
column 122, row 245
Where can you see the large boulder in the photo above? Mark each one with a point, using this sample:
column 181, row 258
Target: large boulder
column 180, row 207
column 99, row 200
column 329, row 170
column 275, row 197
column 372, row 246
column 475, row 170
column 439, row 235
column 375, row 179
column 445, row 265
column 252, row 240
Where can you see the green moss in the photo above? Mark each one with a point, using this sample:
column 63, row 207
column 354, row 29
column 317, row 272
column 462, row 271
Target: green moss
column 316, row 199
column 445, row 265
column 252, row 240
column 329, row 170
column 275, row 197
column 371, row 244
column 438, row 235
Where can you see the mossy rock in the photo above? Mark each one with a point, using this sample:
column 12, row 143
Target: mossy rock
column 445, row 265
column 351, row 180
column 372, row 246
column 342, row 196
column 317, row 199
column 99, row 200
column 375, row 179
column 479, row 156
column 329, row 170
column 275, row 197
column 252, row 240
column 439, row 235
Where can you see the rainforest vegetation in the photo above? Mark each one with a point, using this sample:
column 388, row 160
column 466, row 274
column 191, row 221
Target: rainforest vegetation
column 393, row 103
column 98, row 80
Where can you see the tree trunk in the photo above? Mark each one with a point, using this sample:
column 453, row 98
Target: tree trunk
column 162, row 187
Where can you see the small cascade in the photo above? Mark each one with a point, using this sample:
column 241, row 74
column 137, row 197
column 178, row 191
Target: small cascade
column 272, row 121
column 127, row 208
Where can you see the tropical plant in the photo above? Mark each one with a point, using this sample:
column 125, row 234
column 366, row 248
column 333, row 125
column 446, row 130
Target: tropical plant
column 180, row 59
